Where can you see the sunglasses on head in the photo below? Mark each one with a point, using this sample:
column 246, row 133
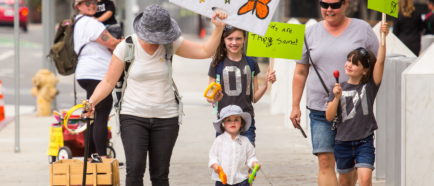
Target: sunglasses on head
column 227, row 28
column 365, row 54
column 332, row 5
column 88, row 3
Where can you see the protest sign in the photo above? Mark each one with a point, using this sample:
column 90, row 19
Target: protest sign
column 281, row 41
column 389, row 7
column 250, row 15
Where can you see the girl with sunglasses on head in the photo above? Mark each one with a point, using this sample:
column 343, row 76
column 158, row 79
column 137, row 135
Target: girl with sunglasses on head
column 237, row 75
column 354, row 141
column 328, row 41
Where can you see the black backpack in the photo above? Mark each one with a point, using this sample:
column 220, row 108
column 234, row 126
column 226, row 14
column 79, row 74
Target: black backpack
column 62, row 51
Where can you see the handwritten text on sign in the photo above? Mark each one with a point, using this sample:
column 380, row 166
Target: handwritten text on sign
column 281, row 41
column 389, row 7
column 250, row 15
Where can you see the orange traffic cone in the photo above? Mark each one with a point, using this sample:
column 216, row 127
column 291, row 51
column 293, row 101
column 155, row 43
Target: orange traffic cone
column 202, row 33
column 2, row 103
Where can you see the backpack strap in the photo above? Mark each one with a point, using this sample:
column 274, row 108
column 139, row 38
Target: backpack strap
column 251, row 62
column 169, row 56
column 122, row 85
column 79, row 52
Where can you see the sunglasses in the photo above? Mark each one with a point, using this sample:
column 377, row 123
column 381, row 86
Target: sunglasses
column 88, row 3
column 228, row 28
column 332, row 5
column 365, row 55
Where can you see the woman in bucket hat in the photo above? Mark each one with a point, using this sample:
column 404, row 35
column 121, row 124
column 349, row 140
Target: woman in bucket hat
column 94, row 44
column 230, row 151
column 149, row 111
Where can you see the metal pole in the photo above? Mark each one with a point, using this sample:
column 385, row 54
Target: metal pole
column 48, row 28
column 17, row 75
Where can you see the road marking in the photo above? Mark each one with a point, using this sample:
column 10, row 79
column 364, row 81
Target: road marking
column 6, row 55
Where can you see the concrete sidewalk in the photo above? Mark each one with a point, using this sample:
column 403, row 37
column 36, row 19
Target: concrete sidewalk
column 284, row 154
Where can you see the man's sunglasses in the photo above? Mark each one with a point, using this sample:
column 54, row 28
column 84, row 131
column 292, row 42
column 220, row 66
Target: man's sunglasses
column 332, row 5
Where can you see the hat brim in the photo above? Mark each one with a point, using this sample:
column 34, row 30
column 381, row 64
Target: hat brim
column 171, row 35
column 245, row 116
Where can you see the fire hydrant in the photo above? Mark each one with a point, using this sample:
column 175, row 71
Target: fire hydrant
column 44, row 89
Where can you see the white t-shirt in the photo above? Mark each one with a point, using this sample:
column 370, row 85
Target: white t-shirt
column 95, row 58
column 149, row 92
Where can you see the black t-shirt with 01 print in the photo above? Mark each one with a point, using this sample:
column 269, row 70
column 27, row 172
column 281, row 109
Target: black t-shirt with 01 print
column 236, row 81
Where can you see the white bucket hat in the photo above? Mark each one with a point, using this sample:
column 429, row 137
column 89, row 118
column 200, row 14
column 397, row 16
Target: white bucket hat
column 231, row 110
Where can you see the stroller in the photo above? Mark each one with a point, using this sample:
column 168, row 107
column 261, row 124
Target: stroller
column 68, row 140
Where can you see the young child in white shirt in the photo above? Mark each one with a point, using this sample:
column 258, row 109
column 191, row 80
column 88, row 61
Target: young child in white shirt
column 231, row 152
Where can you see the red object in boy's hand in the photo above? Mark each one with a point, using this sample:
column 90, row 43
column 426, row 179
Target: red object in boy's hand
column 336, row 74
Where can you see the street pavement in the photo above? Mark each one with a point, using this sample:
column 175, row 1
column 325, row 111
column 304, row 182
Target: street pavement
column 284, row 154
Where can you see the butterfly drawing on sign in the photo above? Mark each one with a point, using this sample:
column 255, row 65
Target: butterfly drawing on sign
column 260, row 6
column 393, row 5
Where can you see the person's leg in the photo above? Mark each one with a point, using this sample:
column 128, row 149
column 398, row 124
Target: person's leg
column 164, row 133
column 102, row 112
column 322, row 142
column 89, row 86
column 135, row 139
column 100, row 132
column 365, row 159
column 364, row 176
column 250, row 133
column 345, row 161
column 217, row 183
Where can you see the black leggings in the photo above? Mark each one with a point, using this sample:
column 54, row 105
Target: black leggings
column 98, row 130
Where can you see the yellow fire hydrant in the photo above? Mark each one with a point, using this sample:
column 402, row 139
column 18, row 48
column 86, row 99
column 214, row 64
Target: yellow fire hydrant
column 44, row 89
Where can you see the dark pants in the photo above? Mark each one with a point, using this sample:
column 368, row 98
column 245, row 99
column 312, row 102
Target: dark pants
column 142, row 135
column 244, row 183
column 99, row 131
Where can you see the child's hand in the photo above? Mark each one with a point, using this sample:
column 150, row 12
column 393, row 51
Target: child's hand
column 337, row 90
column 215, row 167
column 256, row 163
column 271, row 76
column 384, row 29
column 218, row 96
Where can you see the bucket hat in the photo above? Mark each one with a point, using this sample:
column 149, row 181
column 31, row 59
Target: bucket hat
column 154, row 25
column 231, row 110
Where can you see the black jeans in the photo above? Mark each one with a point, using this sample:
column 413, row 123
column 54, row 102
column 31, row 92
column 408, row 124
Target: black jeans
column 98, row 130
column 154, row 135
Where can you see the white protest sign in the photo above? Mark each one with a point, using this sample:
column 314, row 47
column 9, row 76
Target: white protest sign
column 250, row 15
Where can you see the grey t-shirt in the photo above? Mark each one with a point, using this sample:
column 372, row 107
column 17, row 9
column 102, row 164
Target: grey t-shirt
column 236, row 81
column 329, row 53
column 357, row 116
